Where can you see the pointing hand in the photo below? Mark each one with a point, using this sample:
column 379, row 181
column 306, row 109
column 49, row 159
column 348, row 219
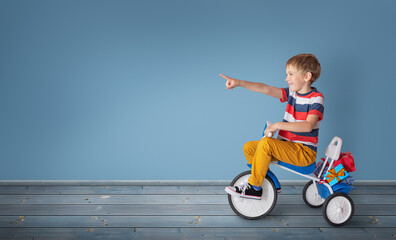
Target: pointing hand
column 231, row 82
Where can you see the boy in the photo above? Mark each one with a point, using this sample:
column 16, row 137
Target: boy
column 298, row 133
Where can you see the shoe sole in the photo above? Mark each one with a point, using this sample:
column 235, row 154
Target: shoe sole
column 235, row 194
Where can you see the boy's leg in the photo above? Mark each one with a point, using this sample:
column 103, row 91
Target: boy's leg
column 244, row 190
column 286, row 151
column 249, row 149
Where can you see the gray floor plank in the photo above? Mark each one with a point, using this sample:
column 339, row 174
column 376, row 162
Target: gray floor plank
column 166, row 199
column 135, row 182
column 187, row 221
column 173, row 210
column 164, row 182
column 168, row 190
column 201, row 233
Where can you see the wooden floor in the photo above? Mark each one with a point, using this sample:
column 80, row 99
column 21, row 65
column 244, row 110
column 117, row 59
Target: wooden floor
column 178, row 210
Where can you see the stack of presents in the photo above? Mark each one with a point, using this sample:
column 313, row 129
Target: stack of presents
column 338, row 176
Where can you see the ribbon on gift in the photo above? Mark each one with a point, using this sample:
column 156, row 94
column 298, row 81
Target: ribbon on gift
column 335, row 175
column 331, row 174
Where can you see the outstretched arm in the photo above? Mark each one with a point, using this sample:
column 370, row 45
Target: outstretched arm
column 253, row 86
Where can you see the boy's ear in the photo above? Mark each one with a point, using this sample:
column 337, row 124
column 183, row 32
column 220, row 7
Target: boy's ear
column 307, row 76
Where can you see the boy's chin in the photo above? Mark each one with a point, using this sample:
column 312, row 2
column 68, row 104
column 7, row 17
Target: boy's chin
column 293, row 88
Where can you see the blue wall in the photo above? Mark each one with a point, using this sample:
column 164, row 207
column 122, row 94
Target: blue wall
column 130, row 89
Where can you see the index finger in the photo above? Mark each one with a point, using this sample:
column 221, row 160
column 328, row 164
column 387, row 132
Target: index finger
column 224, row 76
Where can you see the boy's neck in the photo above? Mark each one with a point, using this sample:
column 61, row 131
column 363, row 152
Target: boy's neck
column 305, row 89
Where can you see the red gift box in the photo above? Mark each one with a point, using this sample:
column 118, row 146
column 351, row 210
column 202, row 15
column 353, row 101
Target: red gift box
column 346, row 159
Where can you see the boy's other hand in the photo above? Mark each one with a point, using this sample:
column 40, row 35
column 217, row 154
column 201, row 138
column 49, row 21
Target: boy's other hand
column 231, row 82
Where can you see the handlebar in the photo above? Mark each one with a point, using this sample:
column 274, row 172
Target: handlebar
column 265, row 127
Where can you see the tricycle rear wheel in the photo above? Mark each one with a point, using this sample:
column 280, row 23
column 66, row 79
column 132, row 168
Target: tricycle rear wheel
column 338, row 209
column 311, row 196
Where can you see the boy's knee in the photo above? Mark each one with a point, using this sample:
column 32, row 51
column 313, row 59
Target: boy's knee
column 248, row 148
column 266, row 143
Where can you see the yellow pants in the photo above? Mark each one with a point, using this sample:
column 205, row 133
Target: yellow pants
column 261, row 153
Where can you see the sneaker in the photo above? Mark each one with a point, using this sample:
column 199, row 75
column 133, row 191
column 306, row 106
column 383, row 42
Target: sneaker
column 245, row 190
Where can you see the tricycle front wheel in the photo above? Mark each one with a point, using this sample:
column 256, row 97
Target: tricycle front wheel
column 250, row 208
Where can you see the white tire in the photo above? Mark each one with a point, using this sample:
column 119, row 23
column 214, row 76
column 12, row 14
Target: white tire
column 311, row 196
column 250, row 208
column 338, row 209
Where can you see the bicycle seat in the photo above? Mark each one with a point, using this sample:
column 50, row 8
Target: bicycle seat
column 303, row 170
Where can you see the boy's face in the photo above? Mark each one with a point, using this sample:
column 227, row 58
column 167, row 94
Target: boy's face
column 296, row 80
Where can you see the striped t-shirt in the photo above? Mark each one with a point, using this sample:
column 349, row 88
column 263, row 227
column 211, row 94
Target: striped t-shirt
column 299, row 106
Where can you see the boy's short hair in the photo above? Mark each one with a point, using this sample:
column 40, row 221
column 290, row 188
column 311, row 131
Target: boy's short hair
column 306, row 63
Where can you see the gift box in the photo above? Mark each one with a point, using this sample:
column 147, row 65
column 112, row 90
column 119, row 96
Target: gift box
column 349, row 180
column 336, row 174
column 319, row 167
column 346, row 159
